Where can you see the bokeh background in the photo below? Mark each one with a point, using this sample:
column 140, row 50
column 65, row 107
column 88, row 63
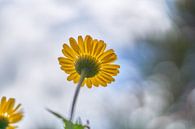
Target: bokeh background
column 154, row 41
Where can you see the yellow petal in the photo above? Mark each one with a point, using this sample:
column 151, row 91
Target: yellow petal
column 68, row 52
column 105, row 80
column 68, row 70
column 3, row 99
column 109, row 58
column 63, row 60
column 101, row 81
column 72, row 76
column 112, row 72
column 7, row 106
column 76, row 79
column 94, row 82
column 105, row 54
column 94, row 46
column 15, row 117
column 10, row 105
column 74, row 45
column 112, row 66
column 81, row 44
column 107, row 77
column 87, row 44
column 3, row 103
column 66, row 64
column 11, row 127
column 88, row 83
column 100, row 48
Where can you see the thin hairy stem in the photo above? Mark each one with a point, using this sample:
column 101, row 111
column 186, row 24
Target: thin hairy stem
column 82, row 77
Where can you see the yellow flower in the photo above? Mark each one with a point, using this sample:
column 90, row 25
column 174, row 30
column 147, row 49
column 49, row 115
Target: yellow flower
column 9, row 114
column 89, row 55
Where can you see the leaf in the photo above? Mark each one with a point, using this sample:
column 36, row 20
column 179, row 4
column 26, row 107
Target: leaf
column 57, row 115
column 70, row 125
column 67, row 123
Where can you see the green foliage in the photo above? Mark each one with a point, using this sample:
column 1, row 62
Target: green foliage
column 67, row 123
column 70, row 125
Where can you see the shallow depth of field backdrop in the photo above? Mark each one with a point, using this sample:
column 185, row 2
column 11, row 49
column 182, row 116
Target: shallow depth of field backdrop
column 154, row 89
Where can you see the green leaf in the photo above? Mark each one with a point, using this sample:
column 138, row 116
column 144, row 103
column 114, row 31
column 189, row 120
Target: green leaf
column 67, row 123
column 70, row 125
column 57, row 115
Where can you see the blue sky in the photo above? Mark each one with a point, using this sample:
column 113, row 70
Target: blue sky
column 33, row 31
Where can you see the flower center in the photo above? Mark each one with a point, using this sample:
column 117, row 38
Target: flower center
column 88, row 64
column 3, row 123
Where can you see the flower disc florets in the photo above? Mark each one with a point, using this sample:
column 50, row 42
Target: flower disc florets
column 3, row 123
column 87, row 64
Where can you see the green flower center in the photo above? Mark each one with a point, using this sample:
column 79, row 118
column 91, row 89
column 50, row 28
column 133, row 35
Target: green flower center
column 87, row 64
column 3, row 123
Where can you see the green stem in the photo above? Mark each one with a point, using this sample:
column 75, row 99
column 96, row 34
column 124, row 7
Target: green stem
column 82, row 77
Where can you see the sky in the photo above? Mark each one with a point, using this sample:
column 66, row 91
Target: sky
column 32, row 34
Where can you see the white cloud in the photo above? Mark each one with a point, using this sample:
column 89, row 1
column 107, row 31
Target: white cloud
column 122, row 21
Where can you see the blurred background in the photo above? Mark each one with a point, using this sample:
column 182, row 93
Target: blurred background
column 154, row 41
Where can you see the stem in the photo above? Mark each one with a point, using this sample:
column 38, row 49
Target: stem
column 82, row 77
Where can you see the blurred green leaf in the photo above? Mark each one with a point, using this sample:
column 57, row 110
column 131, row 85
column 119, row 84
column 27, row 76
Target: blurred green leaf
column 70, row 125
column 67, row 123
column 57, row 115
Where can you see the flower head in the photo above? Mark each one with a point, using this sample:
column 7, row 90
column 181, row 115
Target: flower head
column 89, row 55
column 9, row 114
